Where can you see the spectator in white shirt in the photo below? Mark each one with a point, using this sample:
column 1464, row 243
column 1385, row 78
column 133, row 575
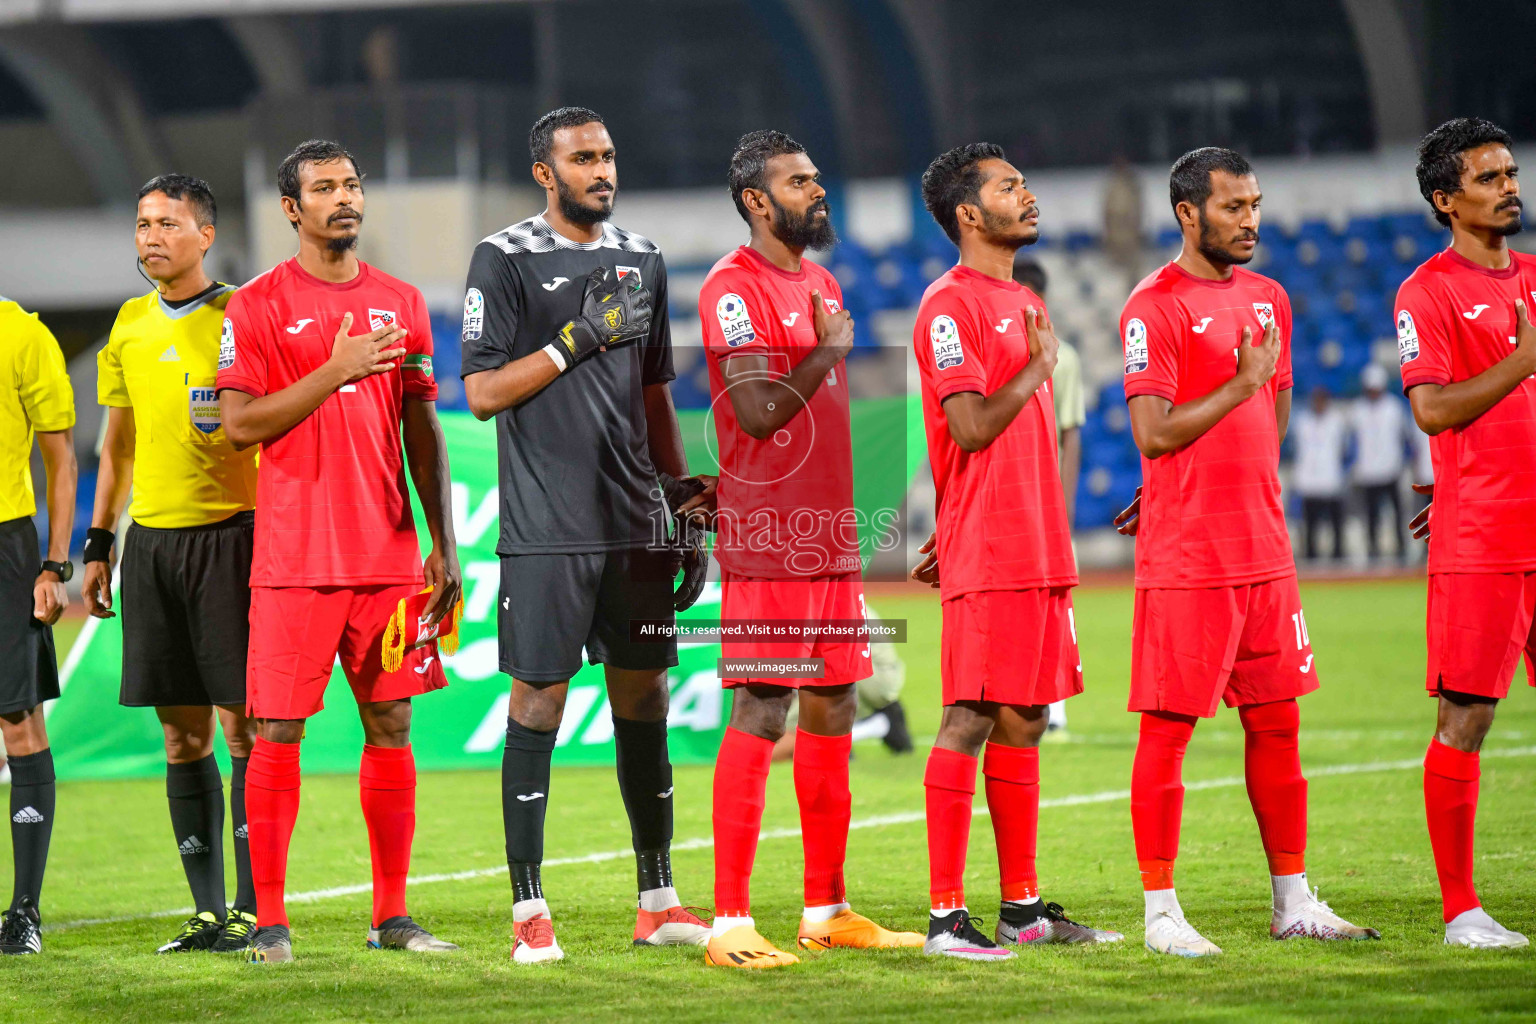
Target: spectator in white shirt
column 1319, row 432
column 1380, row 425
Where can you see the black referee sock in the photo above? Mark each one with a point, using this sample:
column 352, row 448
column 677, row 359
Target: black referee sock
column 645, row 781
column 524, row 797
column 196, row 795
column 245, row 889
column 32, row 802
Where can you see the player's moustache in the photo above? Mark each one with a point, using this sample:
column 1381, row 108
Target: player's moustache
column 1512, row 203
column 1033, row 210
column 346, row 214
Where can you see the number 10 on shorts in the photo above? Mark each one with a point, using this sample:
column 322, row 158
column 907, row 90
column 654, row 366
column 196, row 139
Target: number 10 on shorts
column 1299, row 620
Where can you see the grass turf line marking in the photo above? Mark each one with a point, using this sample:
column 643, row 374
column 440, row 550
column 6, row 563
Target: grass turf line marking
column 904, row 818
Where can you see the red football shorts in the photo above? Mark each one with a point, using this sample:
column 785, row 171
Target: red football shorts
column 1011, row 647
column 1191, row 649
column 813, row 600
column 1478, row 623
column 297, row 633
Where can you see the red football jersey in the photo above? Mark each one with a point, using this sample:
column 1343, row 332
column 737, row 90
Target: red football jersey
column 786, row 502
column 1002, row 518
column 331, row 502
column 1211, row 514
column 1455, row 319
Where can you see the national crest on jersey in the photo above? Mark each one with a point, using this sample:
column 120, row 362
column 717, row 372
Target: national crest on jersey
column 1265, row 311
column 378, row 319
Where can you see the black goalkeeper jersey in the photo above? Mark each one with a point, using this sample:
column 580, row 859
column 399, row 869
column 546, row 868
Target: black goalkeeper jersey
column 575, row 467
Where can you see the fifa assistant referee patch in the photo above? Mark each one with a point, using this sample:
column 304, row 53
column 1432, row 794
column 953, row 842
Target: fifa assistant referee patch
column 1407, row 338
column 474, row 314
column 407, row 629
column 945, row 338
column 735, row 325
column 1135, row 346
column 227, row 346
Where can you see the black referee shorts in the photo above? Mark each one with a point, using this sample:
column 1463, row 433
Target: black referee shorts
column 29, row 670
column 554, row 605
column 186, row 606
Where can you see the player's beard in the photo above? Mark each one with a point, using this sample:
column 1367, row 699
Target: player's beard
column 1514, row 226
column 575, row 211
column 341, row 243
column 1216, row 254
column 803, row 231
column 996, row 227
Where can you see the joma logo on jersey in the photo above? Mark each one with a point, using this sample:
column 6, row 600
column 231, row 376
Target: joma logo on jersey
column 378, row 319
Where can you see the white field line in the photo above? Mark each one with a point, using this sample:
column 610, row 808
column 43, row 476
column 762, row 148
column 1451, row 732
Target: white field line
column 905, row 818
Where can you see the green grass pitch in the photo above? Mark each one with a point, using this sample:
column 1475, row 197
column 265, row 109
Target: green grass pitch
column 1363, row 734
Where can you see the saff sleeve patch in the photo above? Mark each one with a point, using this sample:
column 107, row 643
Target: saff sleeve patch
column 735, row 323
column 227, row 346
column 1407, row 338
column 1135, row 346
column 474, row 314
column 944, row 336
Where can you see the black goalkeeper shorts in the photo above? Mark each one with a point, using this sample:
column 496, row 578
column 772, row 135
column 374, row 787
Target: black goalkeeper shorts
column 553, row 606
column 185, row 609
column 29, row 671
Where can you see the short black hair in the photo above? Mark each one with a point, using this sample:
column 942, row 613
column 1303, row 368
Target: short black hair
column 195, row 192
column 541, row 137
column 954, row 178
column 1190, row 179
column 1440, row 152
column 749, row 163
column 1030, row 274
column 313, row 151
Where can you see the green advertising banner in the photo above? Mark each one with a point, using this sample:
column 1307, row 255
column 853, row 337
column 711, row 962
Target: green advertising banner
column 464, row 725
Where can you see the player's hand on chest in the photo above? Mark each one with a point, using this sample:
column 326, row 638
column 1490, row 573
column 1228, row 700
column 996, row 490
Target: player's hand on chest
column 1213, row 332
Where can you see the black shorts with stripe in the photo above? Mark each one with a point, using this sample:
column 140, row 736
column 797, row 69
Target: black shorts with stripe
column 29, row 668
column 185, row 607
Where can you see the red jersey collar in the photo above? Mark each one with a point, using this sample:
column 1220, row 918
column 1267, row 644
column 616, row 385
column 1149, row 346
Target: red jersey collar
column 961, row 270
column 1461, row 261
column 768, row 265
column 356, row 282
column 1207, row 282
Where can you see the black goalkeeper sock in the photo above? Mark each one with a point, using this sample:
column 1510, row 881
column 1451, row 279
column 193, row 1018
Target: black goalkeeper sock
column 245, row 889
column 196, row 795
column 524, row 797
column 32, row 802
column 645, row 781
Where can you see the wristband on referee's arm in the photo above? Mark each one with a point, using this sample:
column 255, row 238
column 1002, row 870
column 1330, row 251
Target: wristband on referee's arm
column 98, row 545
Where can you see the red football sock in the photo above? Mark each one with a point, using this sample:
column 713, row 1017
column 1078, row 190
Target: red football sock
column 821, row 784
column 1450, row 800
column 950, row 784
column 1013, row 799
column 1157, row 794
column 388, row 789
column 741, row 783
column 1276, row 788
column 271, row 808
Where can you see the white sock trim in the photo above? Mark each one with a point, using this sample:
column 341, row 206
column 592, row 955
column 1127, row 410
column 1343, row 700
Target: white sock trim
column 816, row 915
column 936, row 914
column 1160, row 901
column 725, row 924
column 657, row 900
column 1288, row 889
column 527, row 910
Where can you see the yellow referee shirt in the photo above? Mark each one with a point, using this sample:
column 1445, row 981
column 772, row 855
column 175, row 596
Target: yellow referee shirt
column 161, row 363
column 34, row 395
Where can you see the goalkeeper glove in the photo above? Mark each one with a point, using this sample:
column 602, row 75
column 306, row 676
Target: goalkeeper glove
column 689, row 552
column 611, row 314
